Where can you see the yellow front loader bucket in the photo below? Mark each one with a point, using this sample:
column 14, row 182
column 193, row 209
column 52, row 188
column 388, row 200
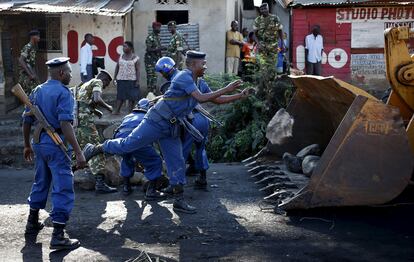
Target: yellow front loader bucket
column 366, row 157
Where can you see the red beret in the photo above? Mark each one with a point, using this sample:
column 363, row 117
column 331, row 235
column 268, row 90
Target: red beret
column 156, row 24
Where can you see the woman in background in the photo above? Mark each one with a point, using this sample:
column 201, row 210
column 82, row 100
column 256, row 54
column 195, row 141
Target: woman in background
column 127, row 78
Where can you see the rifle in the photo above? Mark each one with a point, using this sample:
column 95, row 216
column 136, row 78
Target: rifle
column 17, row 90
column 29, row 67
column 207, row 114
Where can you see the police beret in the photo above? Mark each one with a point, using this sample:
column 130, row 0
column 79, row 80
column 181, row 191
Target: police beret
column 34, row 32
column 57, row 61
column 172, row 23
column 107, row 74
column 195, row 54
column 154, row 24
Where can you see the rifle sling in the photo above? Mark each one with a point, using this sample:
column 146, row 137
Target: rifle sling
column 38, row 130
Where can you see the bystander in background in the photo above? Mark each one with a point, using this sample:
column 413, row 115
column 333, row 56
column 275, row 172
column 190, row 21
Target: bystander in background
column 127, row 78
column 249, row 57
column 86, row 59
column 234, row 41
column 313, row 51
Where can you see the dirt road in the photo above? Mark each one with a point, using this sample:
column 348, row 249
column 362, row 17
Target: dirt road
column 229, row 226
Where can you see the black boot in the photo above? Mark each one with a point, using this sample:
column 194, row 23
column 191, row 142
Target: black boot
column 173, row 190
column 33, row 225
column 90, row 151
column 152, row 193
column 201, row 181
column 59, row 241
column 190, row 171
column 180, row 205
column 101, row 187
column 162, row 182
column 126, row 188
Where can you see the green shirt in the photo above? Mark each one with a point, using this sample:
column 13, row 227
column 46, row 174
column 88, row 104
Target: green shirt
column 176, row 44
column 29, row 54
column 153, row 41
column 84, row 95
column 267, row 29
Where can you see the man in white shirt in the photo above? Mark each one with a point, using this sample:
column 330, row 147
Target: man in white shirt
column 313, row 51
column 86, row 59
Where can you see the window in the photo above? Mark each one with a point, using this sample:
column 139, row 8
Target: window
column 50, row 34
column 162, row 2
column 190, row 32
column 181, row 17
column 248, row 5
column 53, row 33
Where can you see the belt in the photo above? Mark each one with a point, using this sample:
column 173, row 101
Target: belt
column 163, row 110
column 180, row 98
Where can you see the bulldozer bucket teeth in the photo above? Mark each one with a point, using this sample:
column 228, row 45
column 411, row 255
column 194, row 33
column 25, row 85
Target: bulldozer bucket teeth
column 252, row 158
column 272, row 178
column 366, row 157
column 253, row 163
column 279, row 194
column 266, row 172
column 257, row 169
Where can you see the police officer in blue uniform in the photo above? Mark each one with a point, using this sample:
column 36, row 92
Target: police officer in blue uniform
column 202, row 124
column 146, row 156
column 52, row 165
column 162, row 123
column 166, row 67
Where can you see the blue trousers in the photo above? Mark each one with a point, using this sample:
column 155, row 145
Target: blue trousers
column 148, row 132
column 147, row 156
column 52, row 167
column 89, row 75
column 200, row 159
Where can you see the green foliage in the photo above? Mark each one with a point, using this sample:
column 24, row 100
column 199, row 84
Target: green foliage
column 245, row 121
column 243, row 133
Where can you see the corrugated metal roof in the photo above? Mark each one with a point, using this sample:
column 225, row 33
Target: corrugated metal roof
column 97, row 7
column 298, row 3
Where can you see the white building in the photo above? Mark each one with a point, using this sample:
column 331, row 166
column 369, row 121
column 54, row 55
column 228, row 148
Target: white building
column 62, row 25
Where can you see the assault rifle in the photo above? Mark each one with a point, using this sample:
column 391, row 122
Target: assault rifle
column 17, row 90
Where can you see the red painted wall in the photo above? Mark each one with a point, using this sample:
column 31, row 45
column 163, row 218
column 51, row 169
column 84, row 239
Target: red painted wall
column 337, row 40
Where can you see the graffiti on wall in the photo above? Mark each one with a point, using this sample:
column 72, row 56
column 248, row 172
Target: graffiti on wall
column 336, row 57
column 100, row 48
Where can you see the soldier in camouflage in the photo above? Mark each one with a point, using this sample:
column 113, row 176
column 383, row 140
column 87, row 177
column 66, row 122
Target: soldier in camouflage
column 28, row 78
column 88, row 96
column 268, row 30
column 175, row 49
column 152, row 54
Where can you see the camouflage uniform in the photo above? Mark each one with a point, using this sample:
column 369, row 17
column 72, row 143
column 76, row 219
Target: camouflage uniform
column 175, row 50
column 86, row 131
column 268, row 36
column 29, row 54
column 153, row 41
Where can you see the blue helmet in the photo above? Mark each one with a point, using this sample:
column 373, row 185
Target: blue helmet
column 164, row 64
column 143, row 104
